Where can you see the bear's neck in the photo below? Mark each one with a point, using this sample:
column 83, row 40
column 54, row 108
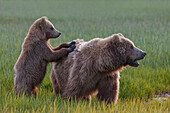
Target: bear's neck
column 110, row 67
column 109, row 62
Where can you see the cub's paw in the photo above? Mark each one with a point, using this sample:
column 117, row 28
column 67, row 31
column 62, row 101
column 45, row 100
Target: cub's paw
column 71, row 48
column 72, row 43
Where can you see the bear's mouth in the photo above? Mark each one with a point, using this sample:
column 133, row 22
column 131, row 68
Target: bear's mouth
column 135, row 63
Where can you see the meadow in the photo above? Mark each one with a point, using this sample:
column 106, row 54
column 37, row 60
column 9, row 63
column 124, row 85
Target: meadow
column 146, row 23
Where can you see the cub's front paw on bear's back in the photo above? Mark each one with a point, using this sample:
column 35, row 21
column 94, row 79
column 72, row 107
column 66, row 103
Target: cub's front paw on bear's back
column 72, row 43
column 71, row 48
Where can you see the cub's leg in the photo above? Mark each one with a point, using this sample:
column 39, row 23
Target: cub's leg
column 34, row 91
column 56, row 55
column 22, row 85
column 64, row 45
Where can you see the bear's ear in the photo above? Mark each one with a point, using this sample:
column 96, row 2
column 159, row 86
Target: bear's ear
column 116, row 38
column 120, row 34
column 43, row 19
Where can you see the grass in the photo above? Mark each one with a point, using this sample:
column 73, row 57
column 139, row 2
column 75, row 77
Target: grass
column 146, row 23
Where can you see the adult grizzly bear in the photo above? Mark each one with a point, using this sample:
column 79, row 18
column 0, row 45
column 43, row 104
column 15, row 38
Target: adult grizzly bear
column 37, row 52
column 95, row 65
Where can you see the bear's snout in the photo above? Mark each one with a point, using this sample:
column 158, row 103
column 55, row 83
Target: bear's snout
column 59, row 33
column 135, row 57
column 143, row 55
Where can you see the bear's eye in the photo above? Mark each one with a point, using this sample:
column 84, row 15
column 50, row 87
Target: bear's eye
column 52, row 28
column 131, row 47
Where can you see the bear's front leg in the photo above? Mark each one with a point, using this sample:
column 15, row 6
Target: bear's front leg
column 109, row 88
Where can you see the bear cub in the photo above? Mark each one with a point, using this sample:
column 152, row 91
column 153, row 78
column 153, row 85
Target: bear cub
column 30, row 68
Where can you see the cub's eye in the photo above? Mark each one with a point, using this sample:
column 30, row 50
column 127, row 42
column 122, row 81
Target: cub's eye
column 52, row 28
column 131, row 47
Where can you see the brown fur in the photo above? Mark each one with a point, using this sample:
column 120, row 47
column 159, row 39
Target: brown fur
column 37, row 52
column 95, row 65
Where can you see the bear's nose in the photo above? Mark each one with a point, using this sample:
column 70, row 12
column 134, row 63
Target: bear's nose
column 59, row 33
column 144, row 54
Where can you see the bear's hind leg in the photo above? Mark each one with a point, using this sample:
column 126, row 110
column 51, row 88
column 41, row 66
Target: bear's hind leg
column 73, row 89
column 56, row 88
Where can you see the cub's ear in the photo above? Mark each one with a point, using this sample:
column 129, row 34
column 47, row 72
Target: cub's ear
column 42, row 22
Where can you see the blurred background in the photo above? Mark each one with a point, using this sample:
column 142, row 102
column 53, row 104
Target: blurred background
column 145, row 22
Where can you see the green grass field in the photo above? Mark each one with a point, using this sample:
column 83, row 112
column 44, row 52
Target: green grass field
column 146, row 23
